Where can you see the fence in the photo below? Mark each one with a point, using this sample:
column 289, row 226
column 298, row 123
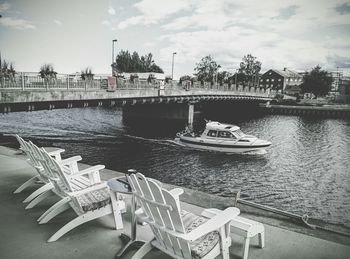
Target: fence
column 32, row 81
column 27, row 81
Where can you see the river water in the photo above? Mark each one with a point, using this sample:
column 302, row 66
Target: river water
column 306, row 170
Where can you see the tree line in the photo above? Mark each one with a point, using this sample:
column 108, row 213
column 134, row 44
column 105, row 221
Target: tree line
column 133, row 63
column 317, row 81
column 207, row 70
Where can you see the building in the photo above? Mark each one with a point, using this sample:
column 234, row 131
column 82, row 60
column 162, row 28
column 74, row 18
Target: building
column 284, row 81
column 336, row 75
column 344, row 90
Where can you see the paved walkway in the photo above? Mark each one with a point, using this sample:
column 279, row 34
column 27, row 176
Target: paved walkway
column 22, row 237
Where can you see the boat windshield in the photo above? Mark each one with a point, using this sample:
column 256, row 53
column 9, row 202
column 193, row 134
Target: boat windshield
column 238, row 133
column 225, row 134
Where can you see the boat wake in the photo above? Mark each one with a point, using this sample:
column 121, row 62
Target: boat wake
column 256, row 152
column 159, row 141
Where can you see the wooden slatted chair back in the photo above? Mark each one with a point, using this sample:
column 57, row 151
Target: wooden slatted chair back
column 57, row 175
column 25, row 147
column 21, row 142
column 163, row 214
column 36, row 156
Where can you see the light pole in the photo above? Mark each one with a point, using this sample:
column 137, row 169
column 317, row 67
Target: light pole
column 113, row 50
column 172, row 67
column 236, row 78
column 216, row 76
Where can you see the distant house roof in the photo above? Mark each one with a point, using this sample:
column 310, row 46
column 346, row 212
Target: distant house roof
column 286, row 73
column 159, row 76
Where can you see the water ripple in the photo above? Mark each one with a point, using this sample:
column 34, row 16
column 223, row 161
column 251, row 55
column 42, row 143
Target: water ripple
column 306, row 170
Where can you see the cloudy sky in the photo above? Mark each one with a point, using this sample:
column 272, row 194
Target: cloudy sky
column 74, row 34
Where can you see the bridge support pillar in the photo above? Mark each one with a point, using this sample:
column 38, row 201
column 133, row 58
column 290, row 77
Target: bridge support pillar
column 181, row 112
column 190, row 115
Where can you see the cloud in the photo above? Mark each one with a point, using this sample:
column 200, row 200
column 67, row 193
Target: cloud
column 292, row 33
column 343, row 8
column 339, row 61
column 106, row 23
column 58, row 22
column 287, row 12
column 111, row 10
column 4, row 7
column 131, row 21
column 209, row 14
column 15, row 23
column 154, row 11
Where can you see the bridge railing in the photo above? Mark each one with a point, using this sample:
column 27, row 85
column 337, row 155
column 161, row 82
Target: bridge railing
column 28, row 81
column 33, row 81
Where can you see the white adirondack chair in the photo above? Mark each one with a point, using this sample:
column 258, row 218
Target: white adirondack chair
column 55, row 152
column 90, row 203
column 177, row 233
column 44, row 191
column 83, row 179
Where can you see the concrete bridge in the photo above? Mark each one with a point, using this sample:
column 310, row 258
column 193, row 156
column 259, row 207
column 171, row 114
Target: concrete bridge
column 138, row 99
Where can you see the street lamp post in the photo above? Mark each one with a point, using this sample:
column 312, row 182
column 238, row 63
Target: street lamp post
column 172, row 67
column 236, row 78
column 216, row 76
column 113, row 50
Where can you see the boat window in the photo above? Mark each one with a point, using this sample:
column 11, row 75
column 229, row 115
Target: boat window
column 212, row 133
column 225, row 134
column 238, row 133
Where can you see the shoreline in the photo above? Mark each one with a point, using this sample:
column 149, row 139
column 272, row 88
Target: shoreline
column 330, row 111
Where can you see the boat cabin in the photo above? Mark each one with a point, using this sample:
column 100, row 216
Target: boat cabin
column 219, row 130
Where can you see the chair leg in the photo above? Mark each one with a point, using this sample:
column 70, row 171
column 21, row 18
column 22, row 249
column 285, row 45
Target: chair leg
column 78, row 221
column 142, row 251
column 117, row 215
column 261, row 239
column 225, row 242
column 117, row 206
column 38, row 199
column 26, row 184
column 42, row 189
column 54, row 210
column 246, row 248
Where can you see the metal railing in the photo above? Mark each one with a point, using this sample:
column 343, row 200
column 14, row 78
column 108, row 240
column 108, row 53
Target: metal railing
column 33, row 81
column 28, row 81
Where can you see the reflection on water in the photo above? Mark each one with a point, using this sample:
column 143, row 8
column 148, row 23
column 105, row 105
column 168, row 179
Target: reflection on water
column 306, row 170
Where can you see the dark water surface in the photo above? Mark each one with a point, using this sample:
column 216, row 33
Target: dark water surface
column 306, row 170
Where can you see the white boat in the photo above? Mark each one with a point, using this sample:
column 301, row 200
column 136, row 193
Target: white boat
column 222, row 137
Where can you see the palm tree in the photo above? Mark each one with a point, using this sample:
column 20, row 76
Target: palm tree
column 48, row 73
column 7, row 71
column 87, row 74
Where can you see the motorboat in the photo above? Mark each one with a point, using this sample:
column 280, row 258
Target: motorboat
column 221, row 137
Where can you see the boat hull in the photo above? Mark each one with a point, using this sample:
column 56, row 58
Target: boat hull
column 224, row 147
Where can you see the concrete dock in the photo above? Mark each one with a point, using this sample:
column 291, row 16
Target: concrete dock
column 22, row 237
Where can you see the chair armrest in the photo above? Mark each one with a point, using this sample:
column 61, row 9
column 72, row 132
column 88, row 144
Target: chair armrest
column 214, row 223
column 89, row 170
column 177, row 191
column 70, row 160
column 238, row 222
column 88, row 189
column 211, row 225
column 55, row 152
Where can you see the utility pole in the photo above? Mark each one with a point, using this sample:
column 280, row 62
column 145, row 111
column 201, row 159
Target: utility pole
column 172, row 66
column 113, row 50
column 113, row 57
